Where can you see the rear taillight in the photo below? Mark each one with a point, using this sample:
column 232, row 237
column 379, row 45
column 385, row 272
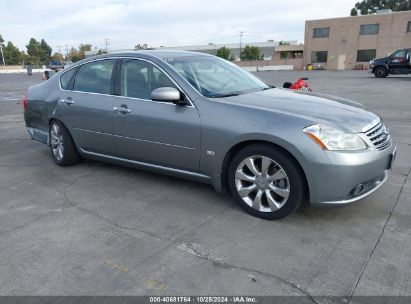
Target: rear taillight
column 25, row 102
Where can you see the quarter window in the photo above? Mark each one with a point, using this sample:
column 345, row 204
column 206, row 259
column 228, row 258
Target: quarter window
column 319, row 56
column 139, row 78
column 366, row 55
column 94, row 77
column 369, row 29
column 323, row 32
column 65, row 78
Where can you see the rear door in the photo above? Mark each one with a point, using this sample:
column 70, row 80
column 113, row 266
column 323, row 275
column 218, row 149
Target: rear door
column 160, row 133
column 86, row 107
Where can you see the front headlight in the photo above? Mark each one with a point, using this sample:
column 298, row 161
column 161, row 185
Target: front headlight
column 332, row 139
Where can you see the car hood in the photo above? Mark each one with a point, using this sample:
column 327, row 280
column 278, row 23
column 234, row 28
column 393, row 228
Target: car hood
column 341, row 113
column 381, row 60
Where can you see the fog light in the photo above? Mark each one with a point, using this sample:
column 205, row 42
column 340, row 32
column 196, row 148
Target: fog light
column 358, row 189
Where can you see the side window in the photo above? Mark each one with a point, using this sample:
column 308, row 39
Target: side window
column 399, row 54
column 65, row 78
column 139, row 78
column 94, row 77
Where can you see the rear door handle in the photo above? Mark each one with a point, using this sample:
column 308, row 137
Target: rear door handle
column 121, row 110
column 67, row 101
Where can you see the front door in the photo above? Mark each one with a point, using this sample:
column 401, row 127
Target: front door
column 160, row 133
column 400, row 60
column 86, row 107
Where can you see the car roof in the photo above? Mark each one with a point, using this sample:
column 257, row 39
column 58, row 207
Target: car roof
column 160, row 53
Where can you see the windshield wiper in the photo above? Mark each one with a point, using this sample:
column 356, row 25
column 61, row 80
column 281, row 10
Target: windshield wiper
column 224, row 95
column 269, row 87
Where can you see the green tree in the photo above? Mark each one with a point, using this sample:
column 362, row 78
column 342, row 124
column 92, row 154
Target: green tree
column 45, row 52
column 33, row 51
column 368, row 7
column 57, row 56
column 284, row 43
column 142, row 46
column 251, row 53
column 83, row 48
column 74, row 55
column 223, row 52
column 12, row 54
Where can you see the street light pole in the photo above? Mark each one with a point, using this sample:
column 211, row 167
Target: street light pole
column 213, row 44
column 106, row 43
column 2, row 54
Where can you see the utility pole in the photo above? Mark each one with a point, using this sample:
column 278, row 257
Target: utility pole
column 106, row 42
column 241, row 38
column 214, row 45
column 2, row 54
column 66, row 48
column 60, row 55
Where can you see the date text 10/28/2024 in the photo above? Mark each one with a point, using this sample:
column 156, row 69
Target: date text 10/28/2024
column 203, row 299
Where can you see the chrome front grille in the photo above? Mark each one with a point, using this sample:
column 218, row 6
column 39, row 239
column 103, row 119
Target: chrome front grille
column 379, row 136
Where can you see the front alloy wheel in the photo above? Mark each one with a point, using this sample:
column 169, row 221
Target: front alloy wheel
column 266, row 181
column 262, row 183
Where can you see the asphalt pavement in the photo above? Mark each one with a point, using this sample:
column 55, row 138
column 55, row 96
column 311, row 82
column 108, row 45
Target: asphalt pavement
column 100, row 229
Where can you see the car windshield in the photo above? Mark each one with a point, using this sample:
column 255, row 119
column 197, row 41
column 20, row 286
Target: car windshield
column 214, row 77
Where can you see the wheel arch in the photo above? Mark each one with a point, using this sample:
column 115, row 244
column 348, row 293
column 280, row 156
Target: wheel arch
column 384, row 66
column 53, row 118
column 241, row 145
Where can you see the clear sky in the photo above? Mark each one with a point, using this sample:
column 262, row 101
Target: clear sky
column 160, row 22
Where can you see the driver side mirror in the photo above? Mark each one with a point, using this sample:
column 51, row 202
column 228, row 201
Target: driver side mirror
column 168, row 94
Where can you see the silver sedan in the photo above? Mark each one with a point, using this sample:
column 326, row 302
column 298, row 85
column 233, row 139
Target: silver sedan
column 200, row 117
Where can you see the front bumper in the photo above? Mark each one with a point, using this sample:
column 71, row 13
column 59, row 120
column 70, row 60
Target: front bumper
column 350, row 177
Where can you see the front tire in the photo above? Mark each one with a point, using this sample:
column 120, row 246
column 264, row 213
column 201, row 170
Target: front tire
column 380, row 72
column 62, row 148
column 266, row 181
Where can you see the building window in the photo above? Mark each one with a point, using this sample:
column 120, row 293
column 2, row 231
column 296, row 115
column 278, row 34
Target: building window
column 369, row 29
column 366, row 55
column 323, row 32
column 409, row 27
column 319, row 56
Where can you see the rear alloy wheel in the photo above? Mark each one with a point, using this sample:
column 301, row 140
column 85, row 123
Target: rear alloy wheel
column 62, row 147
column 380, row 72
column 266, row 182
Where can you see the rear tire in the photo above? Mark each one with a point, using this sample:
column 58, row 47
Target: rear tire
column 266, row 181
column 62, row 148
column 380, row 72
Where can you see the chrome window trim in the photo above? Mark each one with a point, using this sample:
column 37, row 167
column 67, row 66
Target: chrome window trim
column 191, row 104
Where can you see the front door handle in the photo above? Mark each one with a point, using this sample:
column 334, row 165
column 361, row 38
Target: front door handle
column 67, row 101
column 122, row 110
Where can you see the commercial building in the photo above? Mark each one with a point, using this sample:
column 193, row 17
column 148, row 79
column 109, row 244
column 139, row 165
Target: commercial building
column 351, row 42
column 267, row 48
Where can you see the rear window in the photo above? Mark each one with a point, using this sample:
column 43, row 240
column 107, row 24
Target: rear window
column 94, row 77
column 65, row 78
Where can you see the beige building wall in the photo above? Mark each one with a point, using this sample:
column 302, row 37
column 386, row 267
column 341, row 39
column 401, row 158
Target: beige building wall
column 345, row 40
